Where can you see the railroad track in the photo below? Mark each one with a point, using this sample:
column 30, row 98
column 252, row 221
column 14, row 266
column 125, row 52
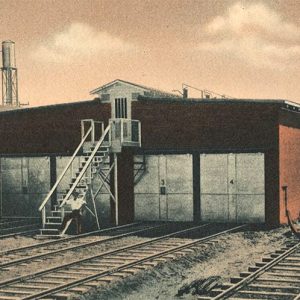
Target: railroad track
column 276, row 277
column 10, row 228
column 79, row 276
column 24, row 230
column 35, row 252
column 12, row 223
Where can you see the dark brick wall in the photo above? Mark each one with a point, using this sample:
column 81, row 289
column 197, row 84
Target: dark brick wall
column 50, row 130
column 206, row 126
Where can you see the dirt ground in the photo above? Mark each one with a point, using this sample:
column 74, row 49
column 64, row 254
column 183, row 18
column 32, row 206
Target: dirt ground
column 57, row 260
column 228, row 257
column 17, row 241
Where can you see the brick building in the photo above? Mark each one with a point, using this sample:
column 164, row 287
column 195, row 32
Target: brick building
column 218, row 160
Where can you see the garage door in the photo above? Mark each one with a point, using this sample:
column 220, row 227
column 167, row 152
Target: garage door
column 232, row 187
column 165, row 189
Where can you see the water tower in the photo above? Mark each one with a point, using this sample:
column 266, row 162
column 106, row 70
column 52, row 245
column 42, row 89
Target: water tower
column 9, row 75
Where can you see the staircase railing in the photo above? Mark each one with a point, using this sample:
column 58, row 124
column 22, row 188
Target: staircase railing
column 128, row 132
column 84, row 169
column 84, row 138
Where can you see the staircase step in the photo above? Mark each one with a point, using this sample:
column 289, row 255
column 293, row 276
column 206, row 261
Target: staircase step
column 83, row 180
column 79, row 186
column 52, row 227
column 79, row 190
column 100, row 150
column 49, row 230
column 99, row 157
column 80, row 182
column 53, row 217
column 97, row 161
column 57, row 212
column 48, row 236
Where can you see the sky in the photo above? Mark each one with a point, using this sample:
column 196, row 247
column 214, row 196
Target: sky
column 66, row 48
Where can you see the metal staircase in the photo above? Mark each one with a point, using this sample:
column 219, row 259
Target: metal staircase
column 93, row 154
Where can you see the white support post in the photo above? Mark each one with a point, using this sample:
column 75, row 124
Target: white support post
column 93, row 131
column 44, row 216
column 110, row 133
column 116, row 189
column 95, row 208
column 122, row 131
column 103, row 182
column 82, row 129
column 72, row 169
column 62, row 213
column 140, row 133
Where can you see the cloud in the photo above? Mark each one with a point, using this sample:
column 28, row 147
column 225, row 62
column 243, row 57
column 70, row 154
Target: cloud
column 254, row 33
column 79, row 41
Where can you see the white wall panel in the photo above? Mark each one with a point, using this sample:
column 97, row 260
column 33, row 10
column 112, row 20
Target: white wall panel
column 146, row 207
column 213, row 174
column 214, row 207
column 232, row 187
column 174, row 172
column 180, row 207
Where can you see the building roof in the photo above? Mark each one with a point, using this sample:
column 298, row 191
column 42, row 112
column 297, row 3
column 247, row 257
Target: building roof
column 157, row 95
column 292, row 106
column 281, row 102
column 49, row 106
column 149, row 89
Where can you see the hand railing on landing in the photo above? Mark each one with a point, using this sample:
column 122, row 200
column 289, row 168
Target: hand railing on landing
column 85, row 134
column 127, row 131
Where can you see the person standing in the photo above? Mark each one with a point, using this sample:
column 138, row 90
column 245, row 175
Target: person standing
column 76, row 202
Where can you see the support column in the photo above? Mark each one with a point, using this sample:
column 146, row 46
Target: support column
column 196, row 187
column 116, row 189
column 1, row 190
column 53, row 179
column 273, row 194
column 122, row 182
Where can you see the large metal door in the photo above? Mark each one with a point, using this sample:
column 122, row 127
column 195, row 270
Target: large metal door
column 214, row 187
column 232, row 187
column 165, row 191
column 250, row 188
column 146, row 191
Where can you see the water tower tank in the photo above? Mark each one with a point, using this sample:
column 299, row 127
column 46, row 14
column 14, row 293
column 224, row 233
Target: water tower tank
column 9, row 75
column 8, row 54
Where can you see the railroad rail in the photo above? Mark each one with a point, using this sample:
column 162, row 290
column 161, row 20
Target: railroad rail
column 11, row 223
column 80, row 275
column 31, row 253
column 19, row 230
column 276, row 277
column 9, row 227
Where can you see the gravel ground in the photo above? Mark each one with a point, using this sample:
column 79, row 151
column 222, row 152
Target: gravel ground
column 17, row 242
column 227, row 258
column 67, row 257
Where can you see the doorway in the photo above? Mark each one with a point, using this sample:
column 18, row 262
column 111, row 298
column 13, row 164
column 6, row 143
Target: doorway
column 165, row 191
column 232, row 187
